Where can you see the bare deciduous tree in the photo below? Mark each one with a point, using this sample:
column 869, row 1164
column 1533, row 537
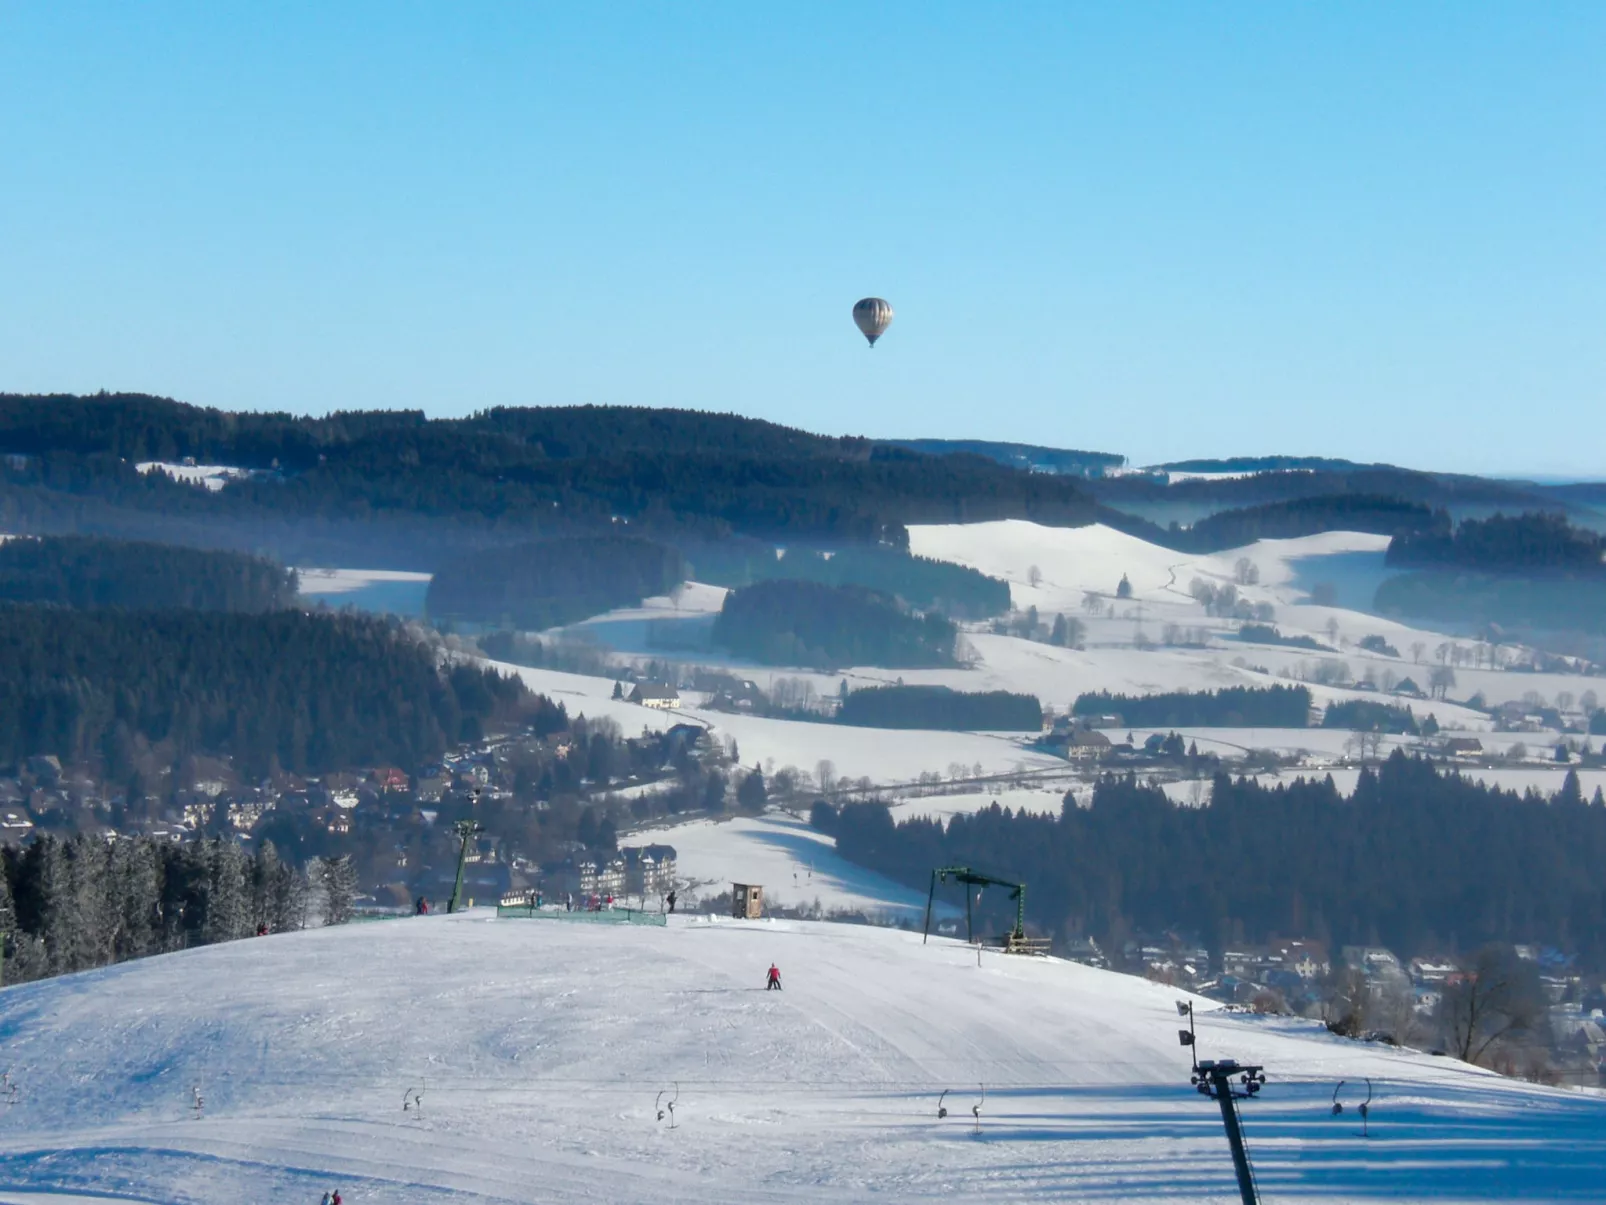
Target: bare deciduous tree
column 1440, row 679
column 1498, row 997
column 1034, row 577
column 1417, row 649
column 825, row 773
column 1344, row 1002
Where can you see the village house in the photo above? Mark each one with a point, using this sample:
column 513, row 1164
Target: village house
column 1086, row 744
column 1463, row 747
column 650, row 694
column 389, row 779
column 585, row 875
column 431, row 787
column 649, row 869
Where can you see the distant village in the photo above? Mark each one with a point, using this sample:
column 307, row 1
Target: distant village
column 1386, row 998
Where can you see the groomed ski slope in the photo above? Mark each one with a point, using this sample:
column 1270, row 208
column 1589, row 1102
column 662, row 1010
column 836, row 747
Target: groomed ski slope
column 541, row 1047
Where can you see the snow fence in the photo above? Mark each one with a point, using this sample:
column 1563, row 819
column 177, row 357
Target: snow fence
column 607, row 916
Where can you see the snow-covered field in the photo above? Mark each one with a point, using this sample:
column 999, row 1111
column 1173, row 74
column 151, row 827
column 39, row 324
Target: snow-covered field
column 882, row 755
column 544, row 1052
column 798, row 866
column 1069, row 563
column 346, row 581
column 1040, row 800
column 209, row 476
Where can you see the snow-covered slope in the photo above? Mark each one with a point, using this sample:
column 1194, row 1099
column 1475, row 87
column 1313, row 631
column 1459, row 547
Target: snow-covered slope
column 543, row 1051
column 210, row 476
column 346, row 581
column 798, row 866
column 880, row 754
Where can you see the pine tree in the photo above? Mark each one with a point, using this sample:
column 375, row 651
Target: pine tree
column 60, row 928
column 1061, row 634
column 228, row 908
column 338, row 878
column 264, row 877
column 8, row 926
column 136, row 886
column 752, row 793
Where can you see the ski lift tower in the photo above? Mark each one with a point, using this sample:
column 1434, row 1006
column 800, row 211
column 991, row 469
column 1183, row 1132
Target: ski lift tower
column 1016, row 941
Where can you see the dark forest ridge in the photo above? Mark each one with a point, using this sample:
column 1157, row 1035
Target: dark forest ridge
column 400, row 490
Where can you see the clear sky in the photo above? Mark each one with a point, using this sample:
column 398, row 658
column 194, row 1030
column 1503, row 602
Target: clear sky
column 1368, row 230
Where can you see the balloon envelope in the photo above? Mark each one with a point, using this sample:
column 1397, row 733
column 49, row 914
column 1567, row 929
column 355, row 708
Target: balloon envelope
column 872, row 316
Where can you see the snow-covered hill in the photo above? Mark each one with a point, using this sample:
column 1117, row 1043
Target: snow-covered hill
column 543, row 1050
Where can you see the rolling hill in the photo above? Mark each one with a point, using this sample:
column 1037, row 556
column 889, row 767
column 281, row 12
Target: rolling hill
column 543, row 1050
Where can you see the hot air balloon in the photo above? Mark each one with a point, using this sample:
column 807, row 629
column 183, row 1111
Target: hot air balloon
column 872, row 316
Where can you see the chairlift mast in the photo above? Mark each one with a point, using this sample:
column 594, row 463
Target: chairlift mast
column 466, row 831
column 969, row 878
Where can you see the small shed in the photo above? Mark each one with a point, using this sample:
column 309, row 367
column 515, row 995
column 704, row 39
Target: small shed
column 747, row 901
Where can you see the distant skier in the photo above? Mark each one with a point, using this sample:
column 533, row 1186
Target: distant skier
column 671, row 901
column 422, row 906
column 325, row 1199
column 335, row 1200
column 774, row 984
column 262, row 929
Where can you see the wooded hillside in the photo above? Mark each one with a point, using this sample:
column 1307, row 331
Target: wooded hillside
column 958, row 591
column 939, row 707
column 1416, row 860
column 1232, row 707
column 1536, row 543
column 827, row 627
column 306, row 693
column 550, row 471
column 552, row 582
column 82, row 571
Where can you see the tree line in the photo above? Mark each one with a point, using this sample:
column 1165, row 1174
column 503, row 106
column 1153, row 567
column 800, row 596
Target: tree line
column 85, row 571
column 957, row 591
column 1536, row 542
column 82, row 902
column 1419, row 860
column 306, row 693
column 553, row 582
column 940, row 707
column 803, row 623
column 551, row 471
column 1230, row 707
column 1291, row 518
column 1365, row 715
column 1197, row 497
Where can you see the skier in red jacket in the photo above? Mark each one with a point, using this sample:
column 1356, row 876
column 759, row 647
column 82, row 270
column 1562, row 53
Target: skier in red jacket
column 774, row 984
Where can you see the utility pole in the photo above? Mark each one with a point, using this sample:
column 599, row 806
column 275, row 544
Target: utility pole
column 1214, row 1079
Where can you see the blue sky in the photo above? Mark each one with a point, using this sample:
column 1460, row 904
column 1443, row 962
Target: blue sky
column 1365, row 230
